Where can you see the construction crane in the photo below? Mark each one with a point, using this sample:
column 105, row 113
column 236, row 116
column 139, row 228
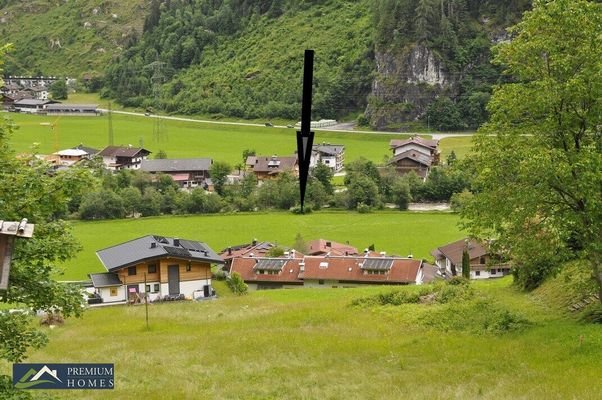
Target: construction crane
column 54, row 129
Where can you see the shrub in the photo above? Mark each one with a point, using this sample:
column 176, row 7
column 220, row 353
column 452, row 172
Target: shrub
column 363, row 208
column 592, row 314
column 236, row 284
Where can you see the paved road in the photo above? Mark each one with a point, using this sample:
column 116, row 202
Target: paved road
column 342, row 127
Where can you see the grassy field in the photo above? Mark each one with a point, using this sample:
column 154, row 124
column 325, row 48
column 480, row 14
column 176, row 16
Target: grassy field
column 395, row 232
column 311, row 344
column 191, row 139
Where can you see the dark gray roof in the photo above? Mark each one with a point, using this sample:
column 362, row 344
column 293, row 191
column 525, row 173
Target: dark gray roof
column 413, row 155
column 33, row 102
column 271, row 264
column 151, row 247
column 331, row 149
column 91, row 151
column 105, row 279
column 176, row 165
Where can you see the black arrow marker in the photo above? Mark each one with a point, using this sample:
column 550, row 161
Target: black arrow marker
column 305, row 138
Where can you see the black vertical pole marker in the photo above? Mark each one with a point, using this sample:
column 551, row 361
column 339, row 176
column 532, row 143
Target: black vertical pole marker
column 305, row 138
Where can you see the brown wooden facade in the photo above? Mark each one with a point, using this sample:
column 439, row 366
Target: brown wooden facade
column 189, row 271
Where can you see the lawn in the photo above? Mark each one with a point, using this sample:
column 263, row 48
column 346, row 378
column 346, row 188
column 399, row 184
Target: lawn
column 184, row 139
column 311, row 344
column 395, row 232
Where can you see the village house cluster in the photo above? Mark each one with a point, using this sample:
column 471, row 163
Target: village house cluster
column 160, row 268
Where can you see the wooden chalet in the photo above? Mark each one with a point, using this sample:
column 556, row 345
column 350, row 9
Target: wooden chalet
column 483, row 265
column 156, row 267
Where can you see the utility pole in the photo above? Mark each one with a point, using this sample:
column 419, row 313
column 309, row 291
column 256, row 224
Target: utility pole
column 157, row 79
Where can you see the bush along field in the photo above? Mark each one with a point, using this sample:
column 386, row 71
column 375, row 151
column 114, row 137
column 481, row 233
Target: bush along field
column 485, row 340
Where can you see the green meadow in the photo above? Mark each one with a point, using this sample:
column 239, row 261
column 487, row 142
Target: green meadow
column 184, row 139
column 395, row 232
column 312, row 344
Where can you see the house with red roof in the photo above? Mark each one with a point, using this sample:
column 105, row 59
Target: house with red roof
column 320, row 247
column 483, row 264
column 253, row 249
column 327, row 271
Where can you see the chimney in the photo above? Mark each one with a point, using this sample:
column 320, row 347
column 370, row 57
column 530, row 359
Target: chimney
column 153, row 245
column 293, row 253
column 383, row 253
column 328, row 244
column 229, row 251
column 176, row 242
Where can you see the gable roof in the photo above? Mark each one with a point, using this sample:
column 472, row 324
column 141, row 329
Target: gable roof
column 33, row 102
column 353, row 269
column 272, row 164
column 322, row 246
column 121, row 151
column 453, row 251
column 177, row 165
column 257, row 249
column 414, row 156
column 153, row 246
column 288, row 268
column 427, row 143
column 330, row 149
column 91, row 151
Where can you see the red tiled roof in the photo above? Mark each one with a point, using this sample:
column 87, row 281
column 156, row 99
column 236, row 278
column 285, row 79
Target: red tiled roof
column 320, row 246
column 258, row 249
column 244, row 266
column 403, row 270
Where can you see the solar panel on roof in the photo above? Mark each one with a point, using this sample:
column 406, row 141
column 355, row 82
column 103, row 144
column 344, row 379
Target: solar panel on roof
column 270, row 264
column 377, row 264
column 193, row 246
column 177, row 251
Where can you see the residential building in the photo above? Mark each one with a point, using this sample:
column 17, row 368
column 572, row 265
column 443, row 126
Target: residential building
column 331, row 155
column 188, row 173
column 268, row 273
column 448, row 260
column 414, row 154
column 156, row 267
column 322, row 247
column 253, row 249
column 265, row 167
column 32, row 106
column 121, row 157
column 327, row 271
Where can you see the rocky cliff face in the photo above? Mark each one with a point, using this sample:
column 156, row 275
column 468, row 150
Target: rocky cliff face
column 405, row 84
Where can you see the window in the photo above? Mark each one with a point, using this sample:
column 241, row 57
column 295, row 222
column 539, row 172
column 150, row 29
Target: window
column 147, row 288
column 188, row 267
column 152, row 268
column 477, row 273
column 493, row 271
column 113, row 291
column 321, row 282
column 482, row 260
column 132, row 271
column 156, row 288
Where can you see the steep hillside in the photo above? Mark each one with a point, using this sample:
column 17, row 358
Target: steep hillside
column 244, row 59
column 396, row 63
column 68, row 38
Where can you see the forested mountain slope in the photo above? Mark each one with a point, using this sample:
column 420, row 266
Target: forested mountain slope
column 397, row 61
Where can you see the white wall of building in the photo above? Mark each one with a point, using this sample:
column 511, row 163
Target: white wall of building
column 105, row 294
column 414, row 147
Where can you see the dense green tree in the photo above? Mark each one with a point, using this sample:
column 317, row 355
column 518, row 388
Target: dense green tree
column 324, row 174
column 132, row 199
column 538, row 188
column 401, row 194
column 218, row 172
column 104, row 204
column 465, row 262
column 362, row 190
column 58, row 90
column 27, row 190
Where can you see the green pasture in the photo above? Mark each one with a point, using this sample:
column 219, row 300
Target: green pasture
column 395, row 232
column 183, row 139
column 311, row 344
